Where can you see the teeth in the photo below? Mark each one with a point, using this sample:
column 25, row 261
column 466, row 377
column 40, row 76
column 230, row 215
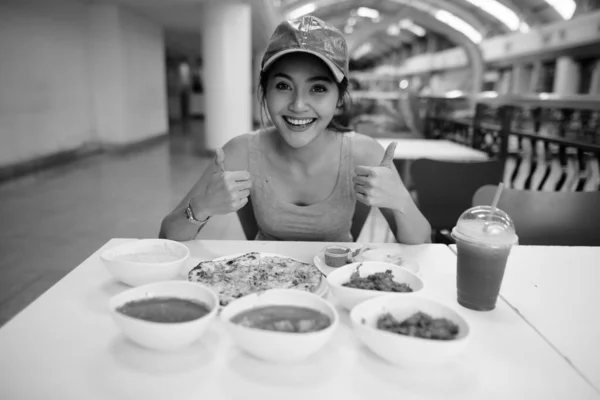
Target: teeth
column 299, row 122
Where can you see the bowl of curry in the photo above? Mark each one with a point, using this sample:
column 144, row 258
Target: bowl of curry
column 280, row 325
column 360, row 281
column 164, row 315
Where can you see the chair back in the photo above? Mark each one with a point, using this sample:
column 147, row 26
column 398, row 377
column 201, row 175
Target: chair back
column 549, row 218
column 445, row 189
column 250, row 226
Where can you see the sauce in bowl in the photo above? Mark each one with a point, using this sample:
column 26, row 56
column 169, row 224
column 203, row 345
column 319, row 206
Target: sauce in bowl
column 283, row 319
column 148, row 258
column 165, row 309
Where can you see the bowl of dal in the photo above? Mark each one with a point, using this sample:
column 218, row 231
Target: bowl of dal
column 280, row 325
column 164, row 315
column 144, row 261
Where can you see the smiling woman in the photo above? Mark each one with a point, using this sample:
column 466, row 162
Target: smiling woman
column 306, row 173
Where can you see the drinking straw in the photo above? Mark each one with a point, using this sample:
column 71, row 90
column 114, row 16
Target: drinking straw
column 494, row 206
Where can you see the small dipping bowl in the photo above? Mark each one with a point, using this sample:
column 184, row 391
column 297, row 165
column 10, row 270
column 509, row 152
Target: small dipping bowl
column 336, row 256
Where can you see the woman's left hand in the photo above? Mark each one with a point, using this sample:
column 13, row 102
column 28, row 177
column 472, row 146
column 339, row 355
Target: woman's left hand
column 380, row 186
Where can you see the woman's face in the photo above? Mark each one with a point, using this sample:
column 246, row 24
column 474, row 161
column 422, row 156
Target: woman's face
column 301, row 97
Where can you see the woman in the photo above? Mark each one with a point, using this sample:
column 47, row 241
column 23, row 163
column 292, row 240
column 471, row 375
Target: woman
column 305, row 173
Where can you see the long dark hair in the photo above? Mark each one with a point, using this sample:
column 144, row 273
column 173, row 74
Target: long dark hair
column 343, row 105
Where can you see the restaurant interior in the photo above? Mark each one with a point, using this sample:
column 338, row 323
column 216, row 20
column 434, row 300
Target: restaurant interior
column 110, row 110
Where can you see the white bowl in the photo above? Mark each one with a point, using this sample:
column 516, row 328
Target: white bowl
column 165, row 335
column 279, row 347
column 401, row 349
column 349, row 297
column 146, row 261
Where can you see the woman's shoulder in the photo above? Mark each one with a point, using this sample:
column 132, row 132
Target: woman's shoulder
column 238, row 148
column 236, row 152
column 365, row 149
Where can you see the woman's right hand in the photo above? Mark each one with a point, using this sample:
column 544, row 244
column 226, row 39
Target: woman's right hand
column 226, row 192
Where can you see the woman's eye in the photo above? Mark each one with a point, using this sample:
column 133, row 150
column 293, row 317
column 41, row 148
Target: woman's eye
column 282, row 86
column 319, row 89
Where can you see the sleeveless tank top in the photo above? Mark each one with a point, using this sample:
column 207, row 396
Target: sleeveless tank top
column 329, row 220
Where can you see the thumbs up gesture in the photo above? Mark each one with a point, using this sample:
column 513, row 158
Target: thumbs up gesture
column 226, row 191
column 379, row 186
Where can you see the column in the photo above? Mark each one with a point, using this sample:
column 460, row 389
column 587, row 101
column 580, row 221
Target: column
column 256, row 104
column 566, row 76
column 108, row 77
column 594, row 88
column 521, row 78
column 227, row 56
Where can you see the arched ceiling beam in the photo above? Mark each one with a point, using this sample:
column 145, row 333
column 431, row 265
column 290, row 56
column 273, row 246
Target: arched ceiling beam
column 328, row 10
column 461, row 12
column 430, row 23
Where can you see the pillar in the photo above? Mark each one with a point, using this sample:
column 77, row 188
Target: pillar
column 108, row 75
column 594, row 88
column 521, row 78
column 567, row 76
column 227, row 56
column 256, row 105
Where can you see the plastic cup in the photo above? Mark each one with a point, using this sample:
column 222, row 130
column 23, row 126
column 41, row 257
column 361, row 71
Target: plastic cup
column 482, row 255
column 336, row 256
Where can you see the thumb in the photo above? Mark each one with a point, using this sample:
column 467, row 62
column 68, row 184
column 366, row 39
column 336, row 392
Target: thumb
column 220, row 159
column 388, row 157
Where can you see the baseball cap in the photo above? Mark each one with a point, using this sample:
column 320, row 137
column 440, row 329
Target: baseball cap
column 310, row 35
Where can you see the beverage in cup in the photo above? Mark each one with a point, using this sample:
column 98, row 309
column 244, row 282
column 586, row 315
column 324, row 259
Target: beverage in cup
column 484, row 237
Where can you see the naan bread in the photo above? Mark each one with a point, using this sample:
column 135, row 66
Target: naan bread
column 251, row 272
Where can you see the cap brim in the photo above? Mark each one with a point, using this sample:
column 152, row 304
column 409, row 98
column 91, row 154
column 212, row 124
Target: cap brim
column 337, row 73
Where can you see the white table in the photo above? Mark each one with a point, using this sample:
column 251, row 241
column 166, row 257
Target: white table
column 409, row 150
column 556, row 290
column 445, row 150
column 66, row 346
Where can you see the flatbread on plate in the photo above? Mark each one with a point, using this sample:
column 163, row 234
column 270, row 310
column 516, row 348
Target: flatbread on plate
column 236, row 276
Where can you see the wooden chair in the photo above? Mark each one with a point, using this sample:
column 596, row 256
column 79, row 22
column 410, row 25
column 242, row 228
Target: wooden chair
column 549, row 218
column 445, row 190
column 250, row 226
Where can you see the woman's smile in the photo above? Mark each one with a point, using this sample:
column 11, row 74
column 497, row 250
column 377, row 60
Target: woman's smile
column 299, row 124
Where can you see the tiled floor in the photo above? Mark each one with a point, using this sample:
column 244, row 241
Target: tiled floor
column 54, row 220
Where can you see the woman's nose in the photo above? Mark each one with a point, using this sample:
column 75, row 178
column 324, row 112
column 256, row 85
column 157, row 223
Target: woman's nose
column 298, row 104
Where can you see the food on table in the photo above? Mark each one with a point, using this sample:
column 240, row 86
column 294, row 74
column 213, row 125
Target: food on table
column 252, row 272
column 336, row 256
column 420, row 325
column 283, row 319
column 164, row 309
column 381, row 281
column 383, row 255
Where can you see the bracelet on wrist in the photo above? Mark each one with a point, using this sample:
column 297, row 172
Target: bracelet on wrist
column 189, row 213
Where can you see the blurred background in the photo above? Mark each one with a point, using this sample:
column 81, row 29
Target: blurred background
column 110, row 110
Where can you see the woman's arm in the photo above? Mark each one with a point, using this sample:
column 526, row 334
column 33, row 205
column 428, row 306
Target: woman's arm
column 378, row 184
column 218, row 191
column 175, row 225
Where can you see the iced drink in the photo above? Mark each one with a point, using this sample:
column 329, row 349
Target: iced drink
column 483, row 249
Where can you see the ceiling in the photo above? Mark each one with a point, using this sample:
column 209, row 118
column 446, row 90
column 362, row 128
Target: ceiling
column 402, row 42
column 182, row 22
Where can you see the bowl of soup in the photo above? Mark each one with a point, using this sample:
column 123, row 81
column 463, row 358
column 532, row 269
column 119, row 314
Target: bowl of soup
column 414, row 331
column 360, row 281
column 165, row 315
column 145, row 261
column 280, row 325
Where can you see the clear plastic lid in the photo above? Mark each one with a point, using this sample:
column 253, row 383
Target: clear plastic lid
column 473, row 226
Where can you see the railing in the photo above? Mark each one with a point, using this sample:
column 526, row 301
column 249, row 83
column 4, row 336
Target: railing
column 550, row 143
